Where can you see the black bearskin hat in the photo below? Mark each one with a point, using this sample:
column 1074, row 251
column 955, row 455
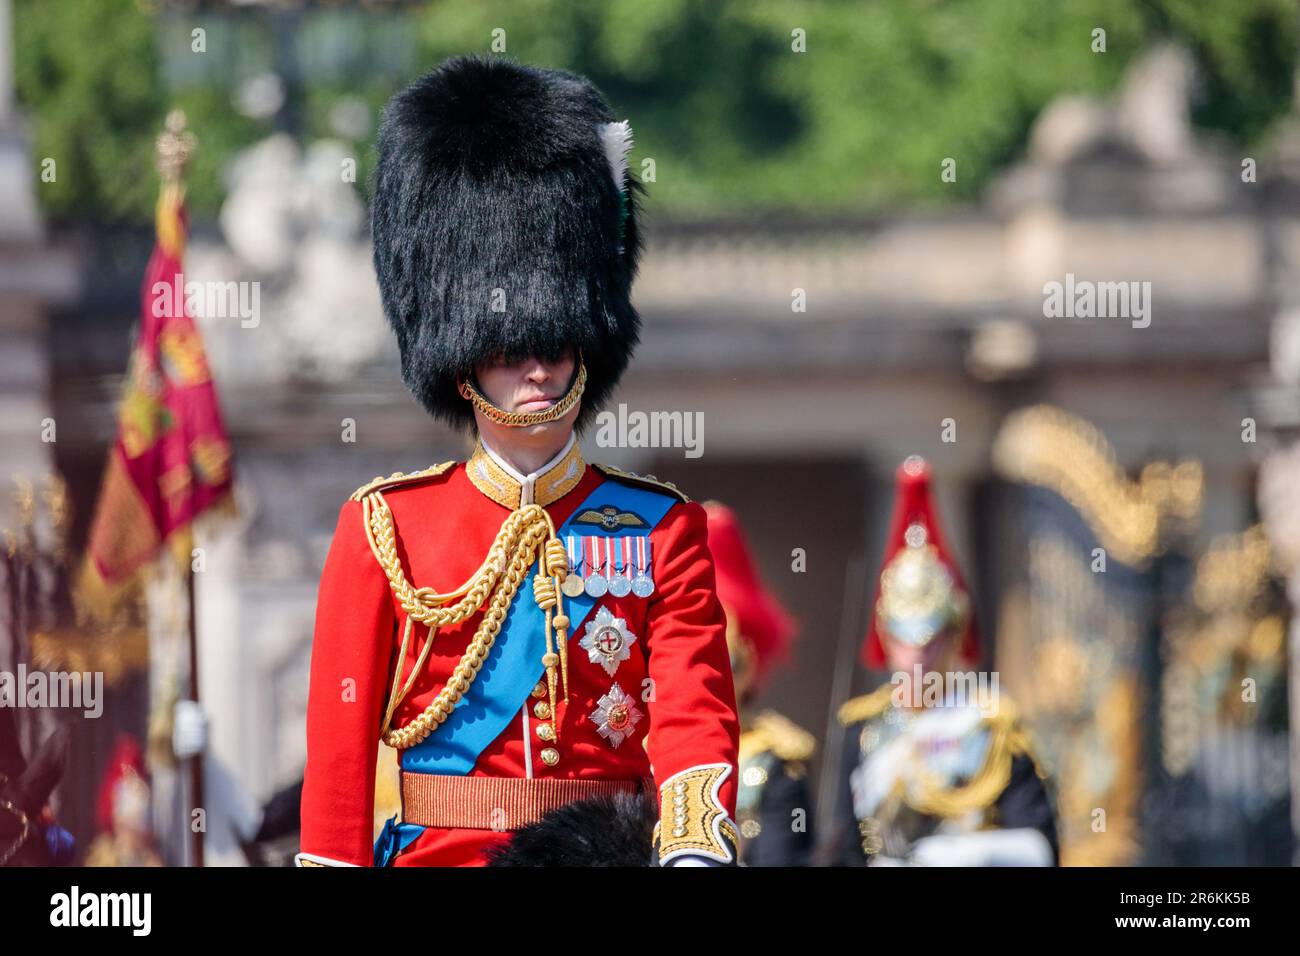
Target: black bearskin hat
column 500, row 228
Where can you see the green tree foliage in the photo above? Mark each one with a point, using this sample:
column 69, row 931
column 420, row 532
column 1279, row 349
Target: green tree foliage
column 91, row 76
column 736, row 121
column 87, row 74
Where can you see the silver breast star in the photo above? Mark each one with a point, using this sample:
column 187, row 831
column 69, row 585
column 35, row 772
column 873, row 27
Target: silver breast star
column 607, row 641
column 615, row 716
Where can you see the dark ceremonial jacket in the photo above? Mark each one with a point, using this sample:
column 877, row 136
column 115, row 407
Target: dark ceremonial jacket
column 774, row 805
column 685, row 730
column 908, row 775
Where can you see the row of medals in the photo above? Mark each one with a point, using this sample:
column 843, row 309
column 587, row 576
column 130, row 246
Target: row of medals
column 597, row 585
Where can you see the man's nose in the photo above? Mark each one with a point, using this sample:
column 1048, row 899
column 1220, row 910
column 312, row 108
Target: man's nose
column 537, row 371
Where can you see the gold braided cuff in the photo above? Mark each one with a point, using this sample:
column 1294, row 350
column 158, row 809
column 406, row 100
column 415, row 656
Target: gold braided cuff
column 311, row 859
column 692, row 820
column 524, row 419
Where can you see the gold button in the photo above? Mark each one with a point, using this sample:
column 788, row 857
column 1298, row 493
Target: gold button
column 545, row 732
column 550, row 756
column 541, row 710
column 540, row 689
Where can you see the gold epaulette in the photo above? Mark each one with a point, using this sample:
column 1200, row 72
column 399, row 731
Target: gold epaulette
column 644, row 481
column 399, row 478
column 780, row 735
column 867, row 706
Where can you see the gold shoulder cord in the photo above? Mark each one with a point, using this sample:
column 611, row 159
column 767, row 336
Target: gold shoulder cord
column 867, row 706
column 399, row 478
column 524, row 536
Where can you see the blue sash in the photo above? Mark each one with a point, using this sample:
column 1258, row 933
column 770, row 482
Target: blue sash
column 394, row 838
column 514, row 665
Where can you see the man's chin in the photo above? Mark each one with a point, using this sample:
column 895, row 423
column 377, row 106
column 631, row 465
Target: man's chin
column 537, row 431
column 563, row 424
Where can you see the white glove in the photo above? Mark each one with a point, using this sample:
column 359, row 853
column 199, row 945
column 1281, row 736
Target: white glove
column 1022, row 847
column 189, row 729
column 692, row 861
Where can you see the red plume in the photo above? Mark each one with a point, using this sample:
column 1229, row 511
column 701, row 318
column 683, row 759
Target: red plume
column 758, row 614
column 127, row 758
column 914, row 504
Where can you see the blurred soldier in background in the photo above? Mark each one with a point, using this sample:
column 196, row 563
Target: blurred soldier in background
column 122, row 811
column 773, row 804
column 937, row 770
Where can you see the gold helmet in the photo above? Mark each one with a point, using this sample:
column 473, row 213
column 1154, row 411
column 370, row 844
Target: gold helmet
column 920, row 593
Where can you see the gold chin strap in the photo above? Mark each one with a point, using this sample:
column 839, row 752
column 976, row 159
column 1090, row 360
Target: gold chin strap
column 525, row 535
column 522, row 419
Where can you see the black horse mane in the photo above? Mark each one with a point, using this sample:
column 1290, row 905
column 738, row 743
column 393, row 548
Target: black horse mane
column 600, row 831
column 27, row 786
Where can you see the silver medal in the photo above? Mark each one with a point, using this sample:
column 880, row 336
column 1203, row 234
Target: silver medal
column 643, row 585
column 596, row 585
column 620, row 585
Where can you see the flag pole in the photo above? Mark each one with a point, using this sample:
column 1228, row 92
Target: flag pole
column 196, row 762
column 175, row 146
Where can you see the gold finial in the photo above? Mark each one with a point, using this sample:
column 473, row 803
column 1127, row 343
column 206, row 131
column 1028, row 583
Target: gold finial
column 56, row 499
column 176, row 145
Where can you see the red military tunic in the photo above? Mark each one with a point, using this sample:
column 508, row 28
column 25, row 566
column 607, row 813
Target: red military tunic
column 678, row 674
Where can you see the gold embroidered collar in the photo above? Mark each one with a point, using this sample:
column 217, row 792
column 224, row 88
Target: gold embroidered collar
column 493, row 476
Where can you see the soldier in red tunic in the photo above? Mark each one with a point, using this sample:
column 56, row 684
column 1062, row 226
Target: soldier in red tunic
column 773, row 799
column 526, row 629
